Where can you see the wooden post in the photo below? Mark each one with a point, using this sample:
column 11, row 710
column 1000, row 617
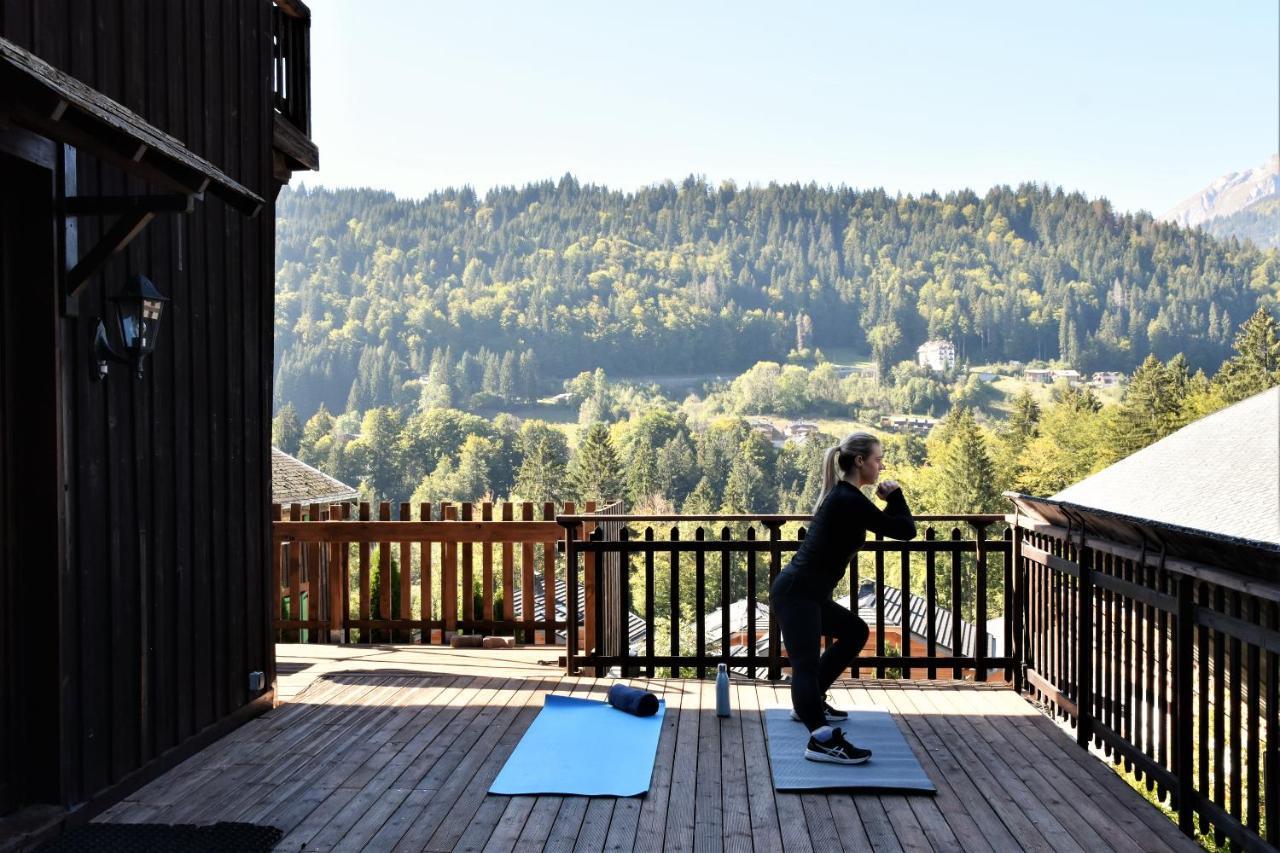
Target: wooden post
column 1016, row 611
column 385, row 580
column 468, row 590
column 449, row 574
column 588, row 614
column 424, row 577
column 1182, row 678
column 346, row 579
column 526, row 579
column 486, row 568
column 980, row 605
column 775, row 567
column 549, row 576
column 277, row 582
column 931, row 603
column 571, row 584
column 337, row 585
column 295, row 576
column 406, row 576
column 1084, row 646
column 364, row 574
column 508, row 571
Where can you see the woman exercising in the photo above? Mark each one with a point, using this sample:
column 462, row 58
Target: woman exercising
column 800, row 596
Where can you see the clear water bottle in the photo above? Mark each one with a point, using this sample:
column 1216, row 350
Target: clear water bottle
column 722, row 691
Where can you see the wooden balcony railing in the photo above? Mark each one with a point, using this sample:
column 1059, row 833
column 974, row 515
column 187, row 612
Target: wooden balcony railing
column 740, row 562
column 344, row 576
column 291, row 62
column 1169, row 667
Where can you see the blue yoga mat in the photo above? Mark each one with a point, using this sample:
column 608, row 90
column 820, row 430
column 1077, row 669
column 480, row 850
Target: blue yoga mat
column 583, row 747
column 892, row 766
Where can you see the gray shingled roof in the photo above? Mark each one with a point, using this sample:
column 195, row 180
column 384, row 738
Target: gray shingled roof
column 866, row 610
column 1220, row 474
column 635, row 625
column 295, row 482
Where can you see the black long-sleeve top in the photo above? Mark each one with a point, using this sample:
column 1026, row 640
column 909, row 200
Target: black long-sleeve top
column 838, row 530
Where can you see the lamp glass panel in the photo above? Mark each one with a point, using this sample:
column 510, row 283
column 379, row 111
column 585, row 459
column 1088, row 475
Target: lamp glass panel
column 130, row 330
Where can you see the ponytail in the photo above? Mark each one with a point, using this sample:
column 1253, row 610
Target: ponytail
column 839, row 458
column 830, row 462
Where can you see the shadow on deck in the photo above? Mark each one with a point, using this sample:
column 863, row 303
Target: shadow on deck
column 393, row 748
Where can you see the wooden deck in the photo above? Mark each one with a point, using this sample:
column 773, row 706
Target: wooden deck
column 393, row 748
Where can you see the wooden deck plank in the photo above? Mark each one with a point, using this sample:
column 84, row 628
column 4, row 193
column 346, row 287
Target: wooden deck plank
column 791, row 822
column 1002, row 824
column 385, row 759
column 1043, row 799
column 325, row 810
column 763, row 811
column 735, row 806
column 461, row 741
column 464, row 813
column 1094, row 776
column 960, row 802
column 708, row 808
column 651, row 824
column 681, row 808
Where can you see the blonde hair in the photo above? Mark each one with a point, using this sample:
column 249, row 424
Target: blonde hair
column 839, row 458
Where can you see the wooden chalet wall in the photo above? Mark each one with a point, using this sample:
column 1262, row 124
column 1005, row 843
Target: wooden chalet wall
column 164, row 598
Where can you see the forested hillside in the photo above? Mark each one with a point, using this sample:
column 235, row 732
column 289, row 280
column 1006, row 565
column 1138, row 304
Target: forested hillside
column 1259, row 222
column 508, row 293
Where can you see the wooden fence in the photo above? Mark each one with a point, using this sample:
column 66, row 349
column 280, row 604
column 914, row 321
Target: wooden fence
column 345, row 576
column 1169, row 667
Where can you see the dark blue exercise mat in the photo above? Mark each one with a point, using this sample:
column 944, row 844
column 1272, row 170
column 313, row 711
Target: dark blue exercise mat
column 892, row 766
column 583, row 747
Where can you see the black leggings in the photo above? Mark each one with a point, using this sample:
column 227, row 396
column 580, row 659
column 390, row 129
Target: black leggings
column 804, row 619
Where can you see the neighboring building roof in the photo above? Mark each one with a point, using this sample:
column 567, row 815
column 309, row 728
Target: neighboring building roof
column 295, row 482
column 635, row 625
column 866, row 611
column 1219, row 475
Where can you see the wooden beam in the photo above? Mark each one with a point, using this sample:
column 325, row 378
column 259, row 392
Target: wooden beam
column 415, row 531
column 116, row 205
column 28, row 146
column 295, row 145
column 120, row 235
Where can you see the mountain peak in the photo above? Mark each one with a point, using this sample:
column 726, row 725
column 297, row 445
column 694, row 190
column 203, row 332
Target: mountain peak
column 1229, row 194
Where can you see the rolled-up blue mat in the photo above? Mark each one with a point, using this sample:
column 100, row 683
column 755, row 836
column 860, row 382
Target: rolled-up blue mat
column 633, row 700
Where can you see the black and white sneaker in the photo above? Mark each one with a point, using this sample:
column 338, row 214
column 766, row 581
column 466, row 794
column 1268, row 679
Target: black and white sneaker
column 837, row 750
column 833, row 715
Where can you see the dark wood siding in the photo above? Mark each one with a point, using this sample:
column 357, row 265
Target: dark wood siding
column 29, row 553
column 165, row 594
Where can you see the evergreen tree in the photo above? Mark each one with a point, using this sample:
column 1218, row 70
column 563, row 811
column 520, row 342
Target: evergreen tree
column 1255, row 367
column 594, row 472
column 702, row 500
column 286, row 431
column 545, row 452
column 963, row 476
column 1151, row 407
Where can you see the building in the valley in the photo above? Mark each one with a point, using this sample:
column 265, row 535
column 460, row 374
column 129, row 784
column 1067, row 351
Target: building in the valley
column 938, row 355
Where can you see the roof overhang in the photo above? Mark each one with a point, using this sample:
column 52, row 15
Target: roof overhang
column 36, row 96
column 1246, row 556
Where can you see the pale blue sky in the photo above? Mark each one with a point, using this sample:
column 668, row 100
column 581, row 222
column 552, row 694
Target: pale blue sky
column 1141, row 102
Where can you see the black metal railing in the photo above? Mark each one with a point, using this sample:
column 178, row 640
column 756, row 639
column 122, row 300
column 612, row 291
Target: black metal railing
column 733, row 560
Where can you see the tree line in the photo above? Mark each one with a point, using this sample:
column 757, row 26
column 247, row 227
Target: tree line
column 371, row 287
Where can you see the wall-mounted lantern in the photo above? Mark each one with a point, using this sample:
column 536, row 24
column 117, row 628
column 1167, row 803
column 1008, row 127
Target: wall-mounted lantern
column 138, row 307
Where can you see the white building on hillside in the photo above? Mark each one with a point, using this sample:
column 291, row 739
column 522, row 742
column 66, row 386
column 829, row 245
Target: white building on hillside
column 939, row 355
